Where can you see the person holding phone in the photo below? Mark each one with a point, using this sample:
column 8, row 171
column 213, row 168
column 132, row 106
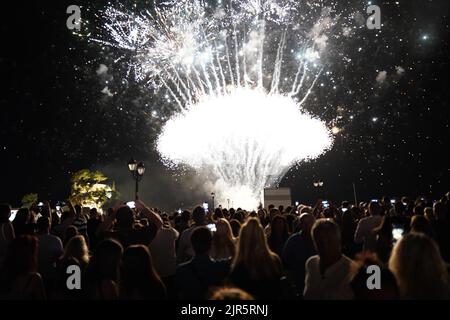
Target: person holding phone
column 127, row 232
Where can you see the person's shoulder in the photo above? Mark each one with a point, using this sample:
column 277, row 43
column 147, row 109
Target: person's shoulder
column 221, row 262
column 188, row 231
column 184, row 267
column 346, row 260
column 35, row 277
column 365, row 220
column 314, row 260
column 294, row 236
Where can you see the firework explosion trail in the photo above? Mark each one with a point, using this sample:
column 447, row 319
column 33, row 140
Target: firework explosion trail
column 234, row 72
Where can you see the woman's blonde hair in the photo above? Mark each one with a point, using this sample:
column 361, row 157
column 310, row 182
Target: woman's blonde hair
column 223, row 242
column 253, row 252
column 77, row 248
column 418, row 267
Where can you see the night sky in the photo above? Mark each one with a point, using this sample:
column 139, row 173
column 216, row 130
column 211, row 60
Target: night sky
column 391, row 105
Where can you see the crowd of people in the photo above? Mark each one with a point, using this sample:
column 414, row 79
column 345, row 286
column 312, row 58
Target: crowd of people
column 315, row 252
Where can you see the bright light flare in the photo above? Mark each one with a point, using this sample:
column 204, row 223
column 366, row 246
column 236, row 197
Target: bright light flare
column 246, row 139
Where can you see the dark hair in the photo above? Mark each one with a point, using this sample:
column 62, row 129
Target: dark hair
column 198, row 215
column 70, row 232
column 125, row 217
column 201, row 239
column 21, row 217
column 21, row 258
column 105, row 262
column 138, row 275
column 77, row 208
column 5, row 212
column 186, row 216
column 374, row 208
column 274, row 236
column 218, row 213
column 92, row 212
column 389, row 289
column 43, row 223
column 235, row 227
column 421, row 224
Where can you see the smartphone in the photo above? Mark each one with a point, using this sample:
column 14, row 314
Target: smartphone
column 212, row 227
column 325, row 204
column 131, row 204
column 179, row 210
column 40, row 204
column 397, row 233
column 374, row 200
column 392, row 201
column 13, row 215
column 344, row 209
column 205, row 206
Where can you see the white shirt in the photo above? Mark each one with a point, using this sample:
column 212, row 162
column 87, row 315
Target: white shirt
column 163, row 251
column 364, row 232
column 333, row 285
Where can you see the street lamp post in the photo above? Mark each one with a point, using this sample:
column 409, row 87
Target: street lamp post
column 137, row 172
column 212, row 196
column 318, row 185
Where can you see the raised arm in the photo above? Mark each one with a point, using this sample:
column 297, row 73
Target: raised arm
column 152, row 216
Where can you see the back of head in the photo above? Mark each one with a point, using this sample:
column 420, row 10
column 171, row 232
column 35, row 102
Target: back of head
column 43, row 224
column 22, row 217
column 21, row 256
column 231, row 294
column 439, row 210
column 306, row 221
column 93, row 213
column 71, row 232
column 186, row 216
column 106, row 260
column 279, row 227
column 374, row 208
column 223, row 229
column 137, row 268
column 201, row 239
column 327, row 237
column 218, row 213
column 77, row 248
column 125, row 217
column 5, row 212
column 421, row 224
column 235, row 227
column 419, row 268
column 388, row 286
column 198, row 215
column 428, row 213
column 239, row 216
column 253, row 251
